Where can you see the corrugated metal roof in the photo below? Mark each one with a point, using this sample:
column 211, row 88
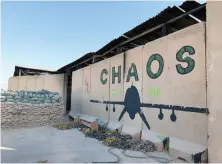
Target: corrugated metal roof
column 31, row 71
column 190, row 5
column 161, row 18
column 76, row 62
column 164, row 16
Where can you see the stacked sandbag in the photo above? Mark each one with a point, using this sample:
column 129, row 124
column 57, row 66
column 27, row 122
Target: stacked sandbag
column 30, row 108
column 31, row 97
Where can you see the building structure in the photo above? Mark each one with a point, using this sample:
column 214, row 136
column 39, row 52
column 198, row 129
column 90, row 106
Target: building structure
column 169, row 64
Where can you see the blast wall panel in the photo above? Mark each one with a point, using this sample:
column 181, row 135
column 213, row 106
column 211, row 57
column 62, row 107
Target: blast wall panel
column 22, row 83
column 133, row 78
column 100, row 83
column 179, row 83
column 162, row 83
column 214, row 79
column 53, row 83
column 86, row 106
column 77, row 91
column 116, row 75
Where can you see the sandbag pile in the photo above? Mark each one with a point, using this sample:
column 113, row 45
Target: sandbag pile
column 30, row 108
column 32, row 97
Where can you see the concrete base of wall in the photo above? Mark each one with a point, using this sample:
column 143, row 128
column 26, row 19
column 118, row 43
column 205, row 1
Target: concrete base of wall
column 102, row 122
column 188, row 151
column 89, row 121
column 133, row 131
column 157, row 139
column 114, row 125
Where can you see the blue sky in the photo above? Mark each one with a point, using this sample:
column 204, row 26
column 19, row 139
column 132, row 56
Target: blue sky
column 49, row 35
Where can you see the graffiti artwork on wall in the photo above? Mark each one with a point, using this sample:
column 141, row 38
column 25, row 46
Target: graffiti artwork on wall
column 87, row 85
column 132, row 104
column 151, row 92
column 154, row 92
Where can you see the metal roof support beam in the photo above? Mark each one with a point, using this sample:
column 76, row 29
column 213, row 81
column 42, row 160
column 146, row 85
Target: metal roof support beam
column 157, row 27
column 142, row 34
column 198, row 20
column 171, row 28
column 23, row 72
column 164, row 30
column 135, row 44
column 149, row 37
column 118, row 50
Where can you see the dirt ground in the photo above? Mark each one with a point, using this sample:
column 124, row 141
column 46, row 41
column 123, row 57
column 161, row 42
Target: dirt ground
column 60, row 146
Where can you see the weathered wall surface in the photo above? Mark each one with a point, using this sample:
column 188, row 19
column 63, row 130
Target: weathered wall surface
column 13, row 83
column 214, row 79
column 173, row 85
column 77, row 91
column 100, row 83
column 116, row 76
column 53, row 83
column 86, row 106
column 161, row 86
column 133, row 77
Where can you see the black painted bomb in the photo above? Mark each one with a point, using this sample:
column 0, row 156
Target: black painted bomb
column 132, row 103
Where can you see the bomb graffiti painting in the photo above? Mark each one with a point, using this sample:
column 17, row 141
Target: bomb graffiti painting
column 132, row 103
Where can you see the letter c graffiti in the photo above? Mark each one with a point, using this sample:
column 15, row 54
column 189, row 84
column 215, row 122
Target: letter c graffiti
column 103, row 81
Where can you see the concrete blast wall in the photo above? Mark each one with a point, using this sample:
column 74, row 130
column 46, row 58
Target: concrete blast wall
column 163, row 80
column 53, row 83
column 214, row 79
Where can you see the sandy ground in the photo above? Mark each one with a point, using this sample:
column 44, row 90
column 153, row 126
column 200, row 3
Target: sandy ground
column 60, row 146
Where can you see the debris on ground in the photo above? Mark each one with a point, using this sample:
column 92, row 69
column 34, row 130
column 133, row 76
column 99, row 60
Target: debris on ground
column 116, row 140
column 110, row 141
column 86, row 130
column 64, row 126
column 78, row 126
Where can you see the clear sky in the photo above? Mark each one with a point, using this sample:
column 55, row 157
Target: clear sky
column 49, row 35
